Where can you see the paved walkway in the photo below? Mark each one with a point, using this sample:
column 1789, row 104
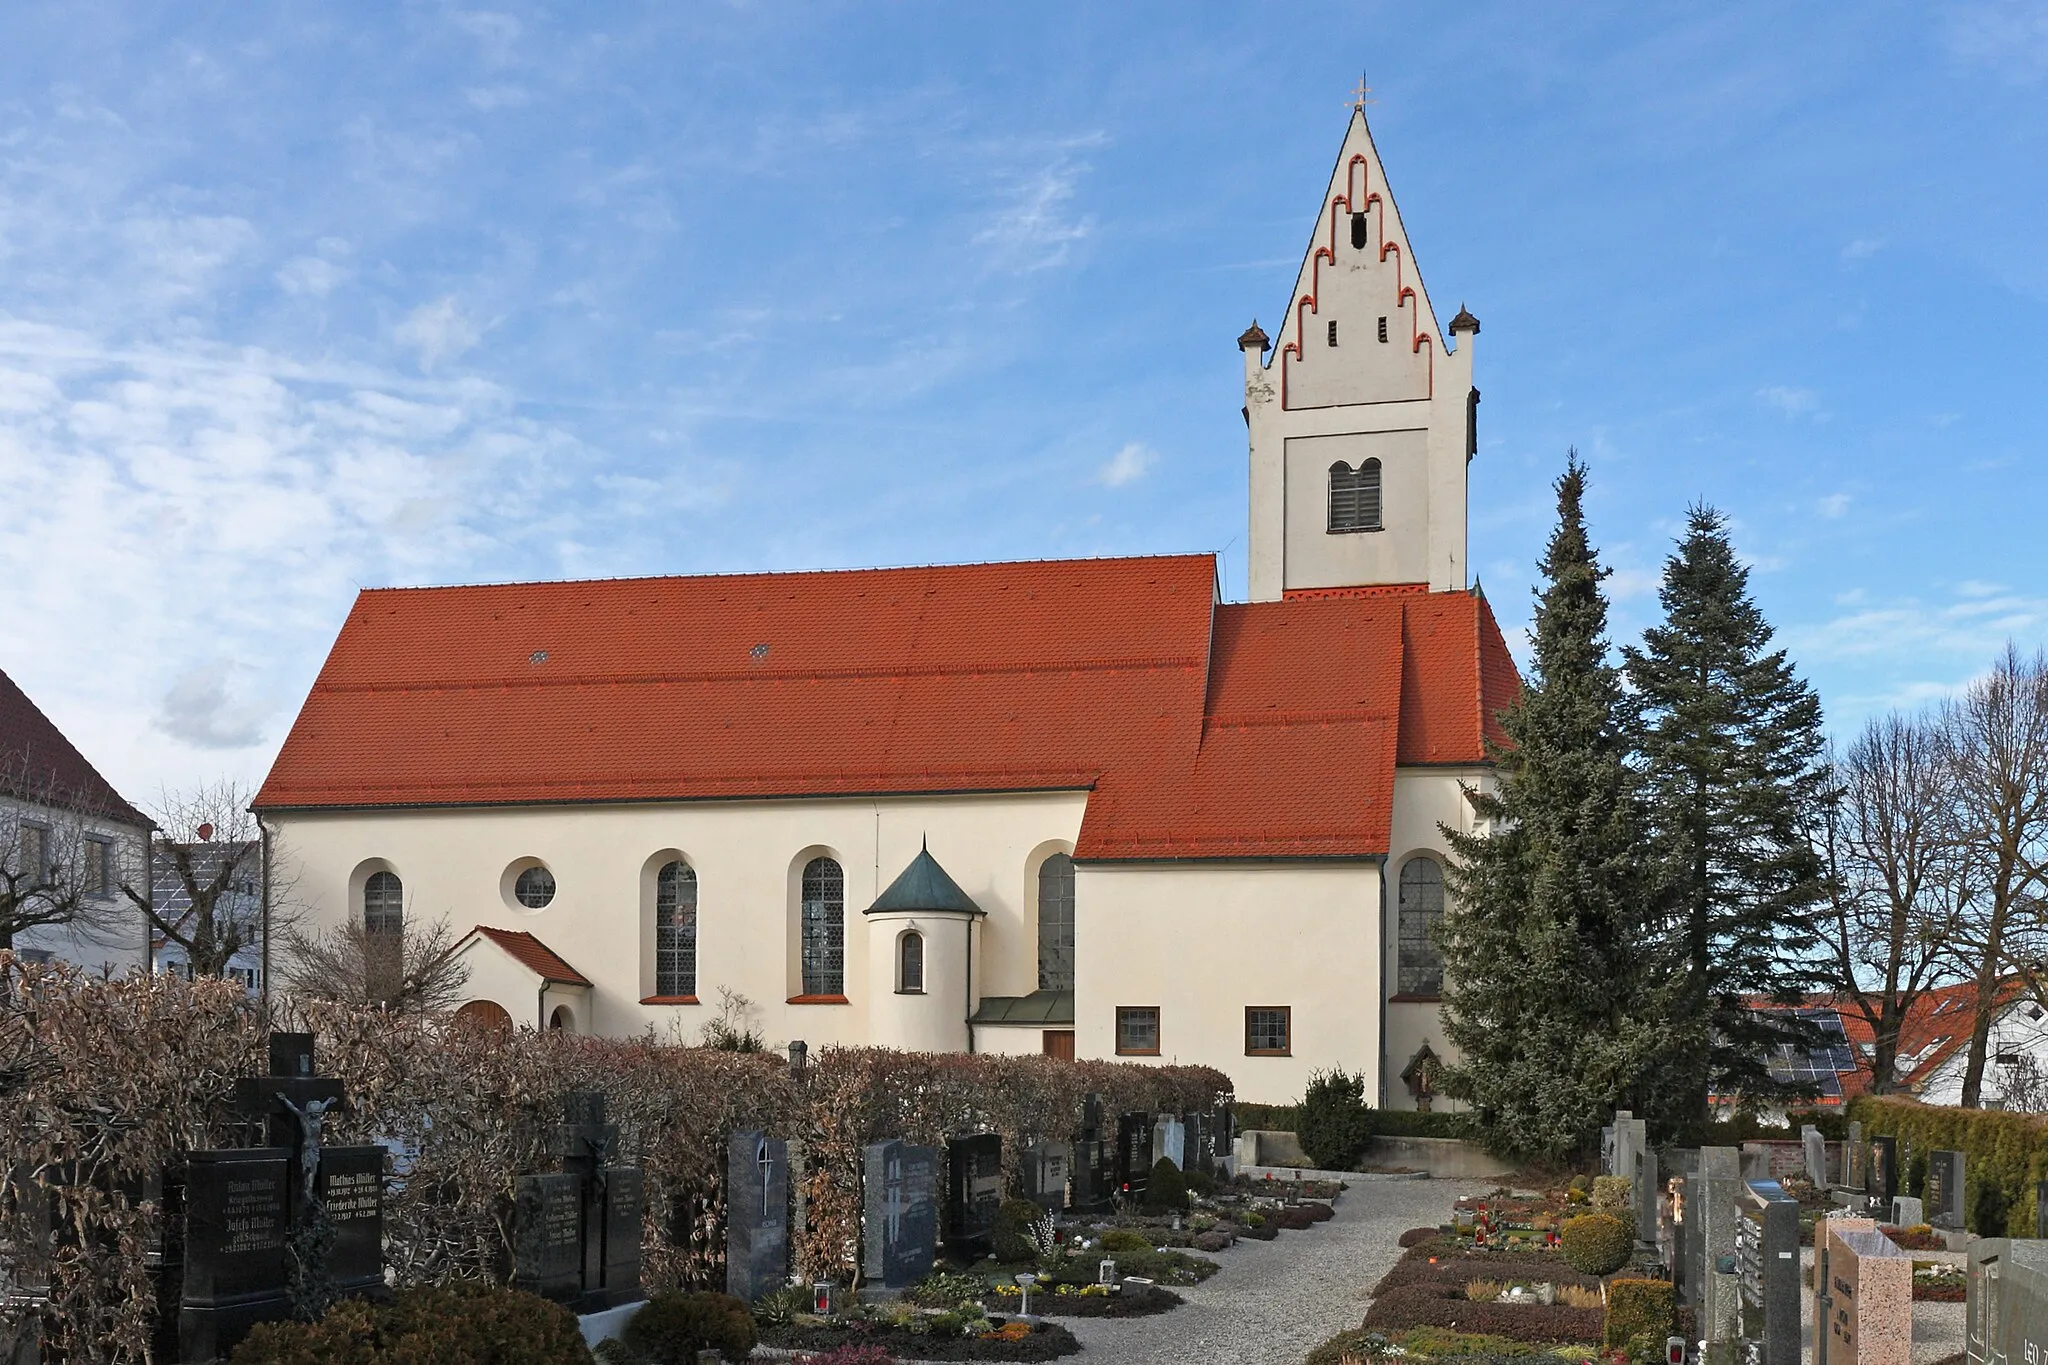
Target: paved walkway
column 1274, row 1301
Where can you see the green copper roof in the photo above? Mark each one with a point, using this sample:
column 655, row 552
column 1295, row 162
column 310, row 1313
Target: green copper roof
column 924, row 885
column 1039, row 1007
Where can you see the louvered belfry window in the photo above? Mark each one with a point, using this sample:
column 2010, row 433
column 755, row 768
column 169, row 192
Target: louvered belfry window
column 1354, row 497
column 1056, row 923
column 675, row 930
column 1421, row 967
column 824, row 928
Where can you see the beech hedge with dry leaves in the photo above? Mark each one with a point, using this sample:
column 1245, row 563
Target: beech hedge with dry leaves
column 102, row 1083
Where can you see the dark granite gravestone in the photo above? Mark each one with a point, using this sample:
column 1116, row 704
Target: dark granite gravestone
column 1091, row 1115
column 1855, row 1160
column 625, row 1195
column 237, row 1227
column 547, row 1235
column 974, row 1193
column 1094, row 1185
column 350, row 1186
column 1767, row 1267
column 899, row 1213
column 1133, row 1155
column 1042, row 1170
column 1944, row 1199
column 1200, row 1127
column 1644, row 1188
column 756, row 1215
column 1884, row 1171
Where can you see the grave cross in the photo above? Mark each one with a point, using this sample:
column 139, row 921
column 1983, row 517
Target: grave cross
column 894, row 1200
column 765, row 1164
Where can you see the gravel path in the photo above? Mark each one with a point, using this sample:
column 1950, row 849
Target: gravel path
column 1273, row 1301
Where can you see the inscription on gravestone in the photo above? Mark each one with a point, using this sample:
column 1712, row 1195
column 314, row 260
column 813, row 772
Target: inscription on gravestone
column 547, row 1241
column 1043, row 1169
column 899, row 1213
column 1944, row 1189
column 351, row 1189
column 756, row 1226
column 1133, row 1155
column 237, row 1226
column 1884, row 1170
column 974, row 1187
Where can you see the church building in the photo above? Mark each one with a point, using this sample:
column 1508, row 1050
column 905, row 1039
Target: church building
column 1085, row 808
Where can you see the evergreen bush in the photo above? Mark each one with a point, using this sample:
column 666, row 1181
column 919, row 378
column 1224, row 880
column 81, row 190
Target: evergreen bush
column 1126, row 1242
column 1596, row 1243
column 1638, row 1308
column 1335, row 1122
column 1166, row 1189
column 2002, row 1148
column 1011, row 1240
column 672, row 1328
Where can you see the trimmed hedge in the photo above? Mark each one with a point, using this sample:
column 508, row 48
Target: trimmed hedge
column 673, row 1327
column 455, row 1322
column 2005, row 1153
column 1596, row 1243
column 1638, row 1308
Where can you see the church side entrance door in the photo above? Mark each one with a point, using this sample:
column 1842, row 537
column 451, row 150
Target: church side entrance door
column 1059, row 1042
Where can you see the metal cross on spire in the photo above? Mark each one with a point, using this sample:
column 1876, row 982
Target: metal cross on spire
column 1362, row 96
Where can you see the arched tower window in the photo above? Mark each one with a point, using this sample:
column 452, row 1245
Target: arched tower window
column 1056, row 923
column 1421, row 964
column 383, row 934
column 910, row 964
column 1354, row 497
column 675, row 929
column 824, row 928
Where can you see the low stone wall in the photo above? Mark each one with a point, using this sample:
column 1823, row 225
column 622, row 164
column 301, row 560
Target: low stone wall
column 1446, row 1158
column 1268, row 1147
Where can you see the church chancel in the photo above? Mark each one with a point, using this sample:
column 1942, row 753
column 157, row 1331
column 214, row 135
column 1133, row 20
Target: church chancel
column 1085, row 808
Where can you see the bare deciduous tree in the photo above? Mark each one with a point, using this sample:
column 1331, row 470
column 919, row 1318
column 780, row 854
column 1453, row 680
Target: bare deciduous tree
column 206, row 893
column 413, row 971
column 57, row 864
column 1898, row 880
column 1996, row 737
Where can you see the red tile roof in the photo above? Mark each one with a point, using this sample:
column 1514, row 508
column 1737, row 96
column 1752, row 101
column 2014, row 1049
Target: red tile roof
column 543, row 961
column 1203, row 729
column 38, row 764
column 1934, row 1030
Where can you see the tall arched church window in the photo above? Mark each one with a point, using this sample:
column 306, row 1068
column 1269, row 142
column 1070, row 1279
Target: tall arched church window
column 675, row 929
column 824, row 928
column 383, row 934
column 910, row 964
column 1056, row 923
column 1354, row 497
column 1420, row 970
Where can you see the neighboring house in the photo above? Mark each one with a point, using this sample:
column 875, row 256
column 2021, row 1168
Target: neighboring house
column 242, row 905
column 1085, row 808
column 68, row 841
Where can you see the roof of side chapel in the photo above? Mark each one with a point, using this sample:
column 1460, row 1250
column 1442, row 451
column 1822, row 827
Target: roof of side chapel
column 1202, row 729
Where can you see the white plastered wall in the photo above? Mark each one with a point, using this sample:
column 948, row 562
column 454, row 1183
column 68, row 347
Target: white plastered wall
column 1424, row 799
column 110, row 935
column 748, row 856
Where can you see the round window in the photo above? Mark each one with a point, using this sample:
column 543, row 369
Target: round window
column 535, row 887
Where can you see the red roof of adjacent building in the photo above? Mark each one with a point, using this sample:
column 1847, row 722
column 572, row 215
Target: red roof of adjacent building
column 38, row 764
column 543, row 961
column 1204, row 729
column 1936, row 1028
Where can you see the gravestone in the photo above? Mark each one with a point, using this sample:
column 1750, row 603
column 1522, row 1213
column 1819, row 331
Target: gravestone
column 1906, row 1212
column 237, row 1205
column 590, row 1205
column 547, row 1235
column 756, row 1215
column 1767, row 1267
column 1707, row 1214
column 1201, row 1141
column 1863, row 1296
column 899, row 1213
column 1944, row 1190
column 1816, row 1150
column 1884, row 1170
column 1631, row 1138
column 1169, row 1139
column 1094, row 1181
column 1643, row 1191
column 974, row 1193
column 1042, row 1169
column 1133, row 1155
column 350, row 1187
column 1855, row 1160
column 2005, row 1316
column 1607, row 1149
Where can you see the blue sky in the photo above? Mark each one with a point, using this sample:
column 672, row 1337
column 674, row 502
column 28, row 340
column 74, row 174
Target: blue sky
column 301, row 298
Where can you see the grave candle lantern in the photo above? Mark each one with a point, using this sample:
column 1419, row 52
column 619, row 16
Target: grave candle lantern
column 1106, row 1272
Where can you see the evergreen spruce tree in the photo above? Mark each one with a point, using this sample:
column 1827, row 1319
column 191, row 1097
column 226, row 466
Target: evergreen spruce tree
column 1731, row 762
column 1543, row 938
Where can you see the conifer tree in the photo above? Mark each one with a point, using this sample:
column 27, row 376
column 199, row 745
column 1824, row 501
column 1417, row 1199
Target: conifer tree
column 1732, row 763
column 1544, row 996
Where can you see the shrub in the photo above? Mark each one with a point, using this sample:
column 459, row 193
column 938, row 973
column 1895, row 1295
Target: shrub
column 1126, row 1242
column 853, row 1353
column 1421, row 1305
column 1432, row 1343
column 946, row 1289
column 1416, row 1237
column 1610, row 1192
column 1199, row 1183
column 1012, row 1238
column 467, row 1322
column 1987, row 1212
column 673, row 1327
column 1213, row 1240
column 1356, row 1344
column 1638, row 1308
column 1335, row 1122
column 1581, row 1182
column 1596, row 1243
column 1166, row 1188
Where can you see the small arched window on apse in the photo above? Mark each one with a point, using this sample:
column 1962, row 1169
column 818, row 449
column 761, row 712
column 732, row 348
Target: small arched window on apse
column 910, row 964
column 675, row 929
column 1056, row 923
column 383, row 935
column 824, row 928
column 1420, row 969
column 1354, row 497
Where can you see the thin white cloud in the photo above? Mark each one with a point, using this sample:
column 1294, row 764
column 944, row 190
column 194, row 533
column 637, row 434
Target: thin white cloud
column 489, row 99
column 1834, row 506
column 2009, row 37
column 199, row 710
column 1793, row 402
column 1128, row 465
column 439, row 331
column 1862, row 248
column 1032, row 225
column 310, row 275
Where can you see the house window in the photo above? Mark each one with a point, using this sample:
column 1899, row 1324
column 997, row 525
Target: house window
column 1056, row 923
column 1137, row 1031
column 1333, row 331
column 1421, row 968
column 675, row 929
column 824, row 928
column 534, row 888
column 35, row 853
column 98, row 871
column 1268, row 1030
column 1383, row 331
column 1354, row 497
column 910, row 964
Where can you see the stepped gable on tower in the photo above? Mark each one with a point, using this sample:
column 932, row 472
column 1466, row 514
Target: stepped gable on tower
column 1201, row 729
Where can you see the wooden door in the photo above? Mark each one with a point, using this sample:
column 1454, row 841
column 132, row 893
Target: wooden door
column 1059, row 1042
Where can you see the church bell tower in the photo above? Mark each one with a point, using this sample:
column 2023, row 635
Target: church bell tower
column 1361, row 411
